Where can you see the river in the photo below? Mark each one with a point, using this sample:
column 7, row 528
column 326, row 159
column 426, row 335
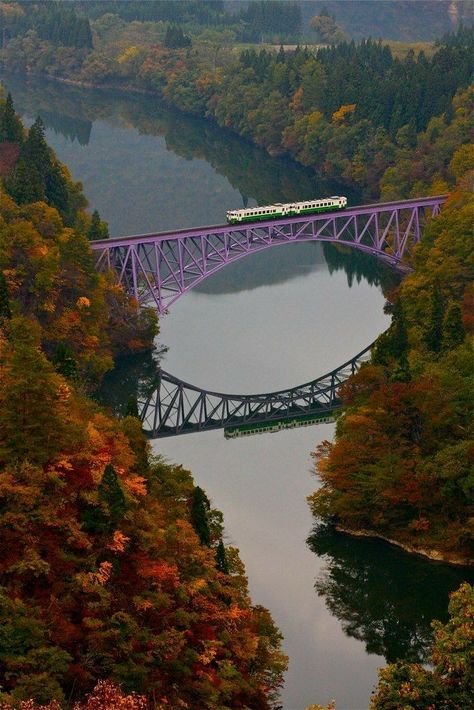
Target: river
column 270, row 321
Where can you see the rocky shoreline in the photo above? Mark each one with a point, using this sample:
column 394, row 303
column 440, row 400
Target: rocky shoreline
column 432, row 554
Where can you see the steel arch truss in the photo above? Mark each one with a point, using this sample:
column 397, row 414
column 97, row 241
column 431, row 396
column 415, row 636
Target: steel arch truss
column 177, row 407
column 162, row 267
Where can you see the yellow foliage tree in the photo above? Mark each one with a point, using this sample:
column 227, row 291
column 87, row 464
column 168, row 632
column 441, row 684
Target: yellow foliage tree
column 343, row 112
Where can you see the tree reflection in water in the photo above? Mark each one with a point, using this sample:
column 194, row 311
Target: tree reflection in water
column 383, row 596
column 133, row 377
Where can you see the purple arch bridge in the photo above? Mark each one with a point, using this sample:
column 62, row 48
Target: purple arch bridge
column 160, row 268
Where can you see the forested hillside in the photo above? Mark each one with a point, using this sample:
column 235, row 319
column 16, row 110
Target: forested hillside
column 401, row 464
column 347, row 111
column 114, row 575
column 113, row 565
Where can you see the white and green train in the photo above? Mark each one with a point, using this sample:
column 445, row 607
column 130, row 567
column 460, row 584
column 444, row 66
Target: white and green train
column 289, row 209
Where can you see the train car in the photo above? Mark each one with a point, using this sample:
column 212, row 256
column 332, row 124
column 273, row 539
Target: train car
column 289, row 209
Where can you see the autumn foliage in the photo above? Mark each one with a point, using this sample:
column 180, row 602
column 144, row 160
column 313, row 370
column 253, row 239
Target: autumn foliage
column 401, row 464
column 103, row 574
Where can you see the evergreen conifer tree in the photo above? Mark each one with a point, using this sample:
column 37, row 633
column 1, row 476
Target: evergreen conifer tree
column 400, row 338
column 35, row 150
column 434, row 330
column 132, row 407
column 64, row 361
column 200, row 507
column 453, row 327
column 37, row 175
column 175, row 38
column 56, row 188
column 83, row 37
column 98, row 229
column 401, row 371
column 25, row 184
column 221, row 558
column 11, row 129
column 393, row 344
column 110, row 493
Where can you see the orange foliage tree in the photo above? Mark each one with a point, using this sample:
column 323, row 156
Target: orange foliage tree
column 401, row 462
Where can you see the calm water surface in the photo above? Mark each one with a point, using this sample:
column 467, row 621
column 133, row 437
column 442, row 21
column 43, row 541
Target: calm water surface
column 276, row 319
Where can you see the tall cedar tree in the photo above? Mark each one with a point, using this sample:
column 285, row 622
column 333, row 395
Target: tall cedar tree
column 200, row 507
column 11, row 129
column 111, row 493
column 98, row 229
column 221, row 558
column 132, row 407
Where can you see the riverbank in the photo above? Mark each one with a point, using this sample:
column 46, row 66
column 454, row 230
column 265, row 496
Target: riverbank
column 430, row 553
column 100, row 87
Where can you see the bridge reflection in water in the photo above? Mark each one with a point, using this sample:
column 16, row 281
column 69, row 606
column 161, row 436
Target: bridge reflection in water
column 176, row 407
column 160, row 268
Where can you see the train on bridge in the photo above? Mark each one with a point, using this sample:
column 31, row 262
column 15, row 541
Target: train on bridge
column 288, row 209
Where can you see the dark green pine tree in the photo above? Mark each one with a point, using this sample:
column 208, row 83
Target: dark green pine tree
column 64, row 361
column 5, row 312
column 97, row 229
column 401, row 371
column 453, row 327
column 83, row 35
column 400, row 337
column 39, row 156
column 200, row 507
column 393, row 344
column 434, row 329
column 175, row 38
column 25, row 184
column 132, row 407
column 110, row 493
column 56, row 190
column 221, row 558
column 35, row 150
column 11, row 130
